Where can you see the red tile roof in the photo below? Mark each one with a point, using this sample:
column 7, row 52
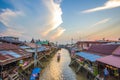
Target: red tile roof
column 105, row 49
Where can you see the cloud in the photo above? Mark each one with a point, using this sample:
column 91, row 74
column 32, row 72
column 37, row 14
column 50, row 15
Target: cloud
column 7, row 15
column 43, row 16
column 2, row 27
column 6, row 18
column 101, row 22
column 58, row 33
column 108, row 5
column 55, row 13
column 11, row 32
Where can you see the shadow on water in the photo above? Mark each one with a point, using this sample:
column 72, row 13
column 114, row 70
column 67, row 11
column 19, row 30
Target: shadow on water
column 59, row 70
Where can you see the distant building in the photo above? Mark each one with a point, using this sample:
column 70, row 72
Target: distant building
column 85, row 45
column 44, row 43
column 10, row 39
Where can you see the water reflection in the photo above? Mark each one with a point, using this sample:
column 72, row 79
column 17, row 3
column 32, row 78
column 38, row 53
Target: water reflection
column 59, row 70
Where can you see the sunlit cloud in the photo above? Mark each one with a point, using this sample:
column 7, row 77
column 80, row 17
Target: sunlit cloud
column 7, row 15
column 101, row 22
column 58, row 33
column 6, row 19
column 55, row 13
column 108, row 5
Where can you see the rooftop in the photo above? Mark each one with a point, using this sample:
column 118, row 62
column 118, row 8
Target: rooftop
column 110, row 60
column 105, row 49
column 10, row 53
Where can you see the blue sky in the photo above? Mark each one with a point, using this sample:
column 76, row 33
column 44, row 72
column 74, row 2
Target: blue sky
column 60, row 20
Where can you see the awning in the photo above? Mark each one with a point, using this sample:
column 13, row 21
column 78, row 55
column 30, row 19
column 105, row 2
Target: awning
column 34, row 74
column 88, row 56
column 40, row 49
column 30, row 50
column 7, row 57
column 25, row 47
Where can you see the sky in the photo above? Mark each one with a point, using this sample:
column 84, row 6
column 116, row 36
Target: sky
column 60, row 20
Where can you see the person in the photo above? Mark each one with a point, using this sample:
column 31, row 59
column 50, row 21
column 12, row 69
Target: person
column 58, row 57
column 72, row 53
column 106, row 73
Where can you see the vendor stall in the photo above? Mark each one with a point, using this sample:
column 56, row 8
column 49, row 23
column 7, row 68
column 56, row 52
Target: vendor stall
column 112, row 63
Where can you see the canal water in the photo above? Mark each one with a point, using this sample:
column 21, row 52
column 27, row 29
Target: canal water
column 60, row 70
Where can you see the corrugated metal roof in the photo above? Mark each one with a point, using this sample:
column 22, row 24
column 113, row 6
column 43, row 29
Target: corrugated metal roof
column 14, row 54
column 105, row 49
column 6, row 46
column 25, row 47
column 30, row 50
column 110, row 60
column 10, row 53
column 88, row 56
column 40, row 49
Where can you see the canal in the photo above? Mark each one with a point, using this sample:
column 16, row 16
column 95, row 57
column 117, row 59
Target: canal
column 60, row 70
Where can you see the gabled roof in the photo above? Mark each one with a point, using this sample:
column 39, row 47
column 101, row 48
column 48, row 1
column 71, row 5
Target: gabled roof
column 106, row 49
column 117, row 51
column 32, row 45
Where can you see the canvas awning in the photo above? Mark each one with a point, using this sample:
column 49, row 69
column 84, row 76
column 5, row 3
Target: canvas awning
column 88, row 56
column 40, row 49
column 35, row 71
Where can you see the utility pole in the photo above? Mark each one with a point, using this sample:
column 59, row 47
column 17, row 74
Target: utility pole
column 35, row 57
column 71, row 41
column 56, row 43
